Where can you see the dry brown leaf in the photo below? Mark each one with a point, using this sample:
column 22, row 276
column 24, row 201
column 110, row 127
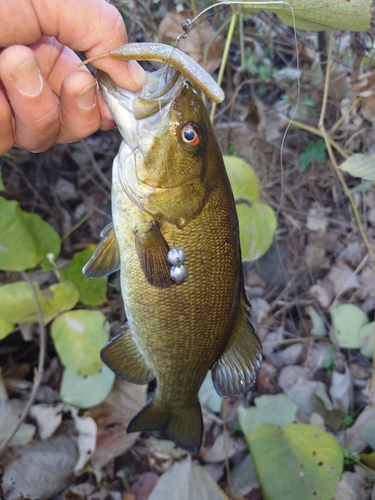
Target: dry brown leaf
column 223, row 447
column 41, row 470
column 368, row 108
column 187, row 481
column 342, row 278
column 48, row 418
column 10, row 411
column 170, row 29
column 323, row 292
column 142, row 488
column 353, row 485
column 112, row 417
column 353, row 439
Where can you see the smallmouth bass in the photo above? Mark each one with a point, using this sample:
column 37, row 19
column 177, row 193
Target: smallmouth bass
column 170, row 190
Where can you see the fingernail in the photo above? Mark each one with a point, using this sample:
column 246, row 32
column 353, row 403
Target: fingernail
column 137, row 73
column 86, row 99
column 27, row 78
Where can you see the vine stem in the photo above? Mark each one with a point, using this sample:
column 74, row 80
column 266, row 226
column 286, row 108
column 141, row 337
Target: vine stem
column 225, row 56
column 347, row 192
column 316, row 131
column 38, row 375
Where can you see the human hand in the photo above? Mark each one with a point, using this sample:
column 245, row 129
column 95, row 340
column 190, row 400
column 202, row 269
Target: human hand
column 43, row 98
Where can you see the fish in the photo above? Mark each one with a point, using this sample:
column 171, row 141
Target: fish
column 175, row 239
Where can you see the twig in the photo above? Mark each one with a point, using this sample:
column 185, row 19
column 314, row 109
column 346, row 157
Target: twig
column 96, row 165
column 314, row 130
column 225, row 56
column 38, row 375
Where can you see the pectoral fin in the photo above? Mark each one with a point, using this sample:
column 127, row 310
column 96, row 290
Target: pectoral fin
column 235, row 371
column 152, row 250
column 106, row 258
column 123, row 356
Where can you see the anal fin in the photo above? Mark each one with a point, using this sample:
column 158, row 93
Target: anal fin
column 106, row 258
column 123, row 357
column 235, row 371
column 152, row 251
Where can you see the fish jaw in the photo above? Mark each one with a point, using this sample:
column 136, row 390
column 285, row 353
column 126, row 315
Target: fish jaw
column 121, row 103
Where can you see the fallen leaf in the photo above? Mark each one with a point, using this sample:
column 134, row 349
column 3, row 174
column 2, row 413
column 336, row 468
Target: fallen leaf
column 243, row 477
column 323, row 293
column 85, row 391
column 347, row 319
column 143, row 487
column 368, row 433
column 352, row 485
column 41, row 470
column 224, row 447
column 360, row 165
column 352, row 438
column 304, row 392
column 341, row 389
column 288, row 356
column 113, row 415
column 10, row 411
column 187, row 481
column 48, row 418
column 319, row 328
column 306, row 462
column 208, row 397
column 317, row 218
column 278, row 410
column 86, row 441
column 342, row 278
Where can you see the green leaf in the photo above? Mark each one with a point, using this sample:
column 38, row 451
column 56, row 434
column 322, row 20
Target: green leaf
column 18, row 306
column 243, row 179
column 5, row 328
column 359, row 165
column 25, row 239
column 78, row 337
column 278, row 410
column 366, row 337
column 257, row 227
column 346, row 320
column 86, row 391
column 92, row 292
column 320, row 15
column 295, row 462
column 314, row 151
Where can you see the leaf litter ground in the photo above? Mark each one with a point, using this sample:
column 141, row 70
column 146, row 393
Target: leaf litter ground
column 315, row 280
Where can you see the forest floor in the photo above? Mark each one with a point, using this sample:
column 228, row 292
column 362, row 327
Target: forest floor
column 302, row 291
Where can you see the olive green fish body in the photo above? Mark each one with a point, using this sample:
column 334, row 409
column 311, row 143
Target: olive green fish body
column 169, row 191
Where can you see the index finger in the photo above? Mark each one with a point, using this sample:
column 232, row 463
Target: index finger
column 90, row 26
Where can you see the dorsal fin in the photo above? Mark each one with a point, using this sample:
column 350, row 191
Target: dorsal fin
column 106, row 258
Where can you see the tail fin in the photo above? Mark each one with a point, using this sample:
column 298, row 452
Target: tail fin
column 184, row 426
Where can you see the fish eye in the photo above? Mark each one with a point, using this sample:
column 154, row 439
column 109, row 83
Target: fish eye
column 190, row 135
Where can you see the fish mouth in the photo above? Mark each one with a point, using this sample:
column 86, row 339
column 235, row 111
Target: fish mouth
column 162, row 88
